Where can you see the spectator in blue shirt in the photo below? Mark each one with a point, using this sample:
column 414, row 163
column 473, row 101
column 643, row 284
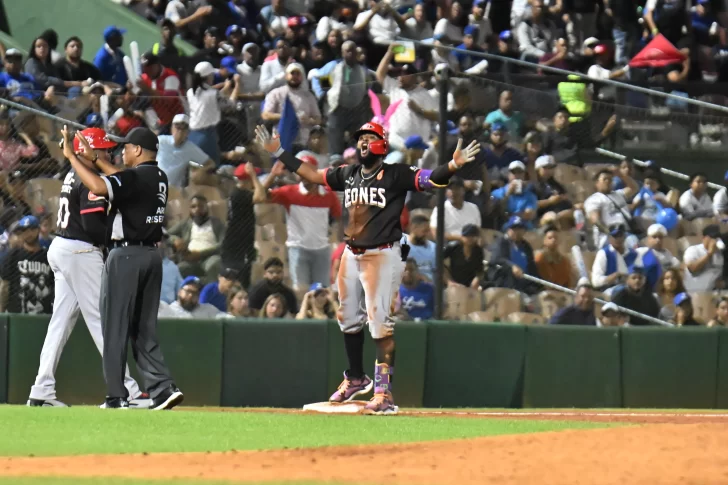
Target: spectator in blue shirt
column 504, row 115
column 511, row 256
column 498, row 156
column 216, row 293
column 110, row 58
column 171, row 277
column 17, row 83
column 518, row 198
column 422, row 250
column 416, row 296
column 468, row 62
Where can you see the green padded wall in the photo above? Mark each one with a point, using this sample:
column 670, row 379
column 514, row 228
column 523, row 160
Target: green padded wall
column 3, row 358
column 474, row 365
column 571, row 366
column 79, row 379
column 83, row 18
column 722, row 377
column 275, row 363
column 193, row 352
column 669, row 368
column 409, row 377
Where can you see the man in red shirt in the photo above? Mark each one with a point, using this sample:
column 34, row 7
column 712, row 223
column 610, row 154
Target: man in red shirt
column 309, row 208
column 163, row 85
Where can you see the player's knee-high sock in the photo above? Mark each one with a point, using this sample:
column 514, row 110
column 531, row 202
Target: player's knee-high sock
column 384, row 367
column 354, row 343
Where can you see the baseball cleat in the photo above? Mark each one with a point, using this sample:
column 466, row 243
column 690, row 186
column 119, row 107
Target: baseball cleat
column 381, row 404
column 350, row 388
column 142, row 401
column 46, row 403
column 115, row 403
column 168, row 399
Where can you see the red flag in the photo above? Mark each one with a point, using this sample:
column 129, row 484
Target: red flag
column 658, row 53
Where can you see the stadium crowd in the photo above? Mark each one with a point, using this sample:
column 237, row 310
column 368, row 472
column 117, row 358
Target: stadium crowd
column 247, row 239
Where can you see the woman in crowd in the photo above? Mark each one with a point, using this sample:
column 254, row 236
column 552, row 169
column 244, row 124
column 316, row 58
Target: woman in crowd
column 318, row 304
column 205, row 110
column 668, row 287
column 237, row 304
column 40, row 66
column 721, row 314
column 274, row 307
column 12, row 150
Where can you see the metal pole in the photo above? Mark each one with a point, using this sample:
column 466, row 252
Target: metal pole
column 666, row 171
column 581, row 76
column 442, row 86
column 55, row 118
column 598, row 300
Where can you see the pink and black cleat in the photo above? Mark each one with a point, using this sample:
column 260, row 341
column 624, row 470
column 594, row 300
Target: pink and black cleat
column 350, row 388
column 382, row 403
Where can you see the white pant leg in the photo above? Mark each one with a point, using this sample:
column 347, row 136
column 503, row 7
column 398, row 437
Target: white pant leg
column 86, row 279
column 351, row 314
column 380, row 276
column 65, row 313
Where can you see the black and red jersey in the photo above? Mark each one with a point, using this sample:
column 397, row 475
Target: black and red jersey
column 374, row 201
column 82, row 215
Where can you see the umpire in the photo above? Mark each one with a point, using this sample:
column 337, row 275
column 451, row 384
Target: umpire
column 132, row 277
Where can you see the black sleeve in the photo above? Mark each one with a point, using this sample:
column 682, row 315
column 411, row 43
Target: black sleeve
column 257, row 296
column 291, row 300
column 121, row 185
column 8, row 266
column 336, row 177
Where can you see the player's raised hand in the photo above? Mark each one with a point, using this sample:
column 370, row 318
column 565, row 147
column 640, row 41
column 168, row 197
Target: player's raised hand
column 277, row 169
column 67, row 143
column 467, row 155
column 88, row 152
column 271, row 144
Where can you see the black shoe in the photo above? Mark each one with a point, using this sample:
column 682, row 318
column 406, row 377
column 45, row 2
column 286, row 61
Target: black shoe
column 168, row 399
column 115, row 403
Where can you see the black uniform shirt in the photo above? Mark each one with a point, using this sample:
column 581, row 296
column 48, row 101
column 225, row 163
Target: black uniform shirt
column 81, row 214
column 374, row 201
column 138, row 199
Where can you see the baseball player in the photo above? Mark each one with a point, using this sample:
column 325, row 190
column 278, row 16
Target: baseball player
column 77, row 263
column 372, row 263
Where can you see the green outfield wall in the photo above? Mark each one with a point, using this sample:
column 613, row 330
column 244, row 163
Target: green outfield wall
column 439, row 364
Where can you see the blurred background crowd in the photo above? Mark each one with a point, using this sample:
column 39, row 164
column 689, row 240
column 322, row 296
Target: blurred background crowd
column 247, row 239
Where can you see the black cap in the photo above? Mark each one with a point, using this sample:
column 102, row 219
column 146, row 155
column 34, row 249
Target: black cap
column 213, row 31
column 229, row 273
column 712, row 230
column 616, row 230
column 149, row 59
column 143, row 137
column 457, row 182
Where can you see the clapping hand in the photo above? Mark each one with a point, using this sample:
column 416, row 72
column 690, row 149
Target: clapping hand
column 88, row 152
column 461, row 157
column 67, row 143
column 270, row 143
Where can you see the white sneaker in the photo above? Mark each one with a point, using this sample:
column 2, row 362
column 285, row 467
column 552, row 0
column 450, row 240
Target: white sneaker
column 142, row 401
column 46, row 403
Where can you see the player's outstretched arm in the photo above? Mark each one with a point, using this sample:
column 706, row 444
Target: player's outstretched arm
column 272, row 145
column 88, row 177
column 442, row 174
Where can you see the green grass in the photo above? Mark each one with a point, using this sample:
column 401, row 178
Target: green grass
column 89, row 430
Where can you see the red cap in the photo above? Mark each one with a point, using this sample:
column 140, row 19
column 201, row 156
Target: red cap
column 310, row 160
column 96, row 137
column 241, row 174
column 296, row 21
column 601, row 49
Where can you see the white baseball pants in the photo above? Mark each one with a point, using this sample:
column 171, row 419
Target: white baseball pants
column 368, row 285
column 77, row 268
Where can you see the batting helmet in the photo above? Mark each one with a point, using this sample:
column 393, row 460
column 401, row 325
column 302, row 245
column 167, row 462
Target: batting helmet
column 378, row 147
column 96, row 137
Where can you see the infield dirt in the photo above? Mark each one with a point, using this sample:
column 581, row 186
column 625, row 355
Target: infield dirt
column 684, row 449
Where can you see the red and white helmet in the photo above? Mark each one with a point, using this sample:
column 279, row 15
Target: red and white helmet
column 378, row 147
column 96, row 137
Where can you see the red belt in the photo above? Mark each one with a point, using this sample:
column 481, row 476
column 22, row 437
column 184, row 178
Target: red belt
column 364, row 250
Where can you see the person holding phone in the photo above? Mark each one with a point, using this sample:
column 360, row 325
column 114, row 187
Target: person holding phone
column 517, row 198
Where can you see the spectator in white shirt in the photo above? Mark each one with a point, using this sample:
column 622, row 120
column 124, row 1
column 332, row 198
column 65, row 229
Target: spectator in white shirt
column 704, row 262
column 185, row 18
column 381, row 22
column 303, row 101
column 603, row 57
column 176, row 151
column 610, row 268
column 273, row 71
column 458, row 212
column 248, row 87
column 205, row 110
column 695, row 202
column 656, row 235
column 606, row 208
column 187, row 304
column 451, row 26
column 720, row 202
column 418, row 109
column 537, row 35
column 478, row 19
